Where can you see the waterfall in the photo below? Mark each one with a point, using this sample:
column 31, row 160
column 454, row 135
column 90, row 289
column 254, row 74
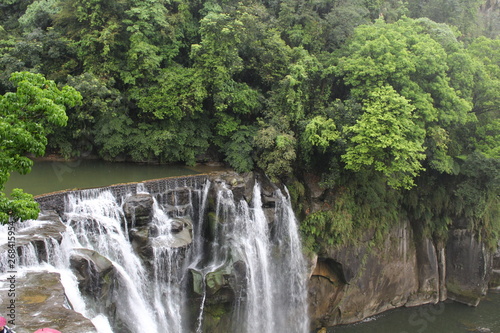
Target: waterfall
column 243, row 247
column 274, row 298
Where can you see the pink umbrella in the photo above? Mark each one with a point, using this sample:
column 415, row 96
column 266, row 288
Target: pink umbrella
column 3, row 321
column 47, row 330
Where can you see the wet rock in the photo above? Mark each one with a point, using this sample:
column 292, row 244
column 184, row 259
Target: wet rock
column 178, row 197
column 177, row 233
column 468, row 266
column 41, row 302
column 325, row 291
column 428, row 273
column 138, row 209
column 37, row 235
column 139, row 238
column 222, row 284
column 176, row 226
column 97, row 280
column 378, row 279
column 240, row 184
column 47, row 225
column 95, row 273
column 180, row 234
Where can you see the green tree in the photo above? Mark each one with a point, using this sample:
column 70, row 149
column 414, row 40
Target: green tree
column 405, row 60
column 387, row 138
column 26, row 117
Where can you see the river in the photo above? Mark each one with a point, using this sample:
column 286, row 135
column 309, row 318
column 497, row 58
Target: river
column 51, row 176
column 447, row 317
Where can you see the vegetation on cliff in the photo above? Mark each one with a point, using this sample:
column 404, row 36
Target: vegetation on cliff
column 395, row 106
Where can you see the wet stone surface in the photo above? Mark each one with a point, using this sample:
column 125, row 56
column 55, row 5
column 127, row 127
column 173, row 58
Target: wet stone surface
column 41, row 302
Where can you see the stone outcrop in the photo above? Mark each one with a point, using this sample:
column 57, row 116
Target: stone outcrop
column 351, row 283
column 41, row 302
column 95, row 274
column 468, row 267
column 494, row 283
column 138, row 209
column 366, row 279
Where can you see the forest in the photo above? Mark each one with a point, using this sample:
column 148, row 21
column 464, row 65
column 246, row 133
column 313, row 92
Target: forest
column 393, row 106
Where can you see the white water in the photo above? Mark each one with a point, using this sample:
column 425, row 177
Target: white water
column 273, row 298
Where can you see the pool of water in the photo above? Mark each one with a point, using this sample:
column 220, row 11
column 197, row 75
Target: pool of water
column 446, row 317
column 51, row 176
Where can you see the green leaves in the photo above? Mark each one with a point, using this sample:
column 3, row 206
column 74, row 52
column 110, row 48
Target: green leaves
column 178, row 92
column 386, row 138
column 320, row 132
column 401, row 74
column 26, row 116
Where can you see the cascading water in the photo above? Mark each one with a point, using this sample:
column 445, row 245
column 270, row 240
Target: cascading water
column 274, row 296
column 259, row 259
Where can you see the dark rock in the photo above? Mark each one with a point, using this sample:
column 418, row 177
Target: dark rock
column 37, row 235
column 326, row 290
column 95, row 273
column 379, row 279
column 428, row 272
column 176, row 226
column 494, row 282
column 42, row 302
column 222, row 284
column 139, row 238
column 138, row 209
column 178, row 197
column 468, row 266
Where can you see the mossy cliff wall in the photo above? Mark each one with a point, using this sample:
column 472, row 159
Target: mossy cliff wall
column 401, row 267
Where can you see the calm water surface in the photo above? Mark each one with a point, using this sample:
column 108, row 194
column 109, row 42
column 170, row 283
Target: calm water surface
column 46, row 177
column 447, row 317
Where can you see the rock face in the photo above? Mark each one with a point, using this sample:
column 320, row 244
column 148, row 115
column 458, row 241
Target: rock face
column 366, row 280
column 95, row 273
column 495, row 273
column 41, row 302
column 356, row 281
column 468, row 267
column 138, row 209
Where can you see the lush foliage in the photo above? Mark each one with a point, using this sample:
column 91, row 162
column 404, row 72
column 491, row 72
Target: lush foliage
column 26, row 117
column 393, row 104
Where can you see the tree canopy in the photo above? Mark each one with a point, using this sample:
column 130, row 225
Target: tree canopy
column 378, row 98
column 26, row 117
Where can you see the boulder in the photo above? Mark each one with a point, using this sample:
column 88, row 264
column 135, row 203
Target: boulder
column 138, row 209
column 95, row 273
column 41, row 302
column 221, row 284
column 139, row 238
